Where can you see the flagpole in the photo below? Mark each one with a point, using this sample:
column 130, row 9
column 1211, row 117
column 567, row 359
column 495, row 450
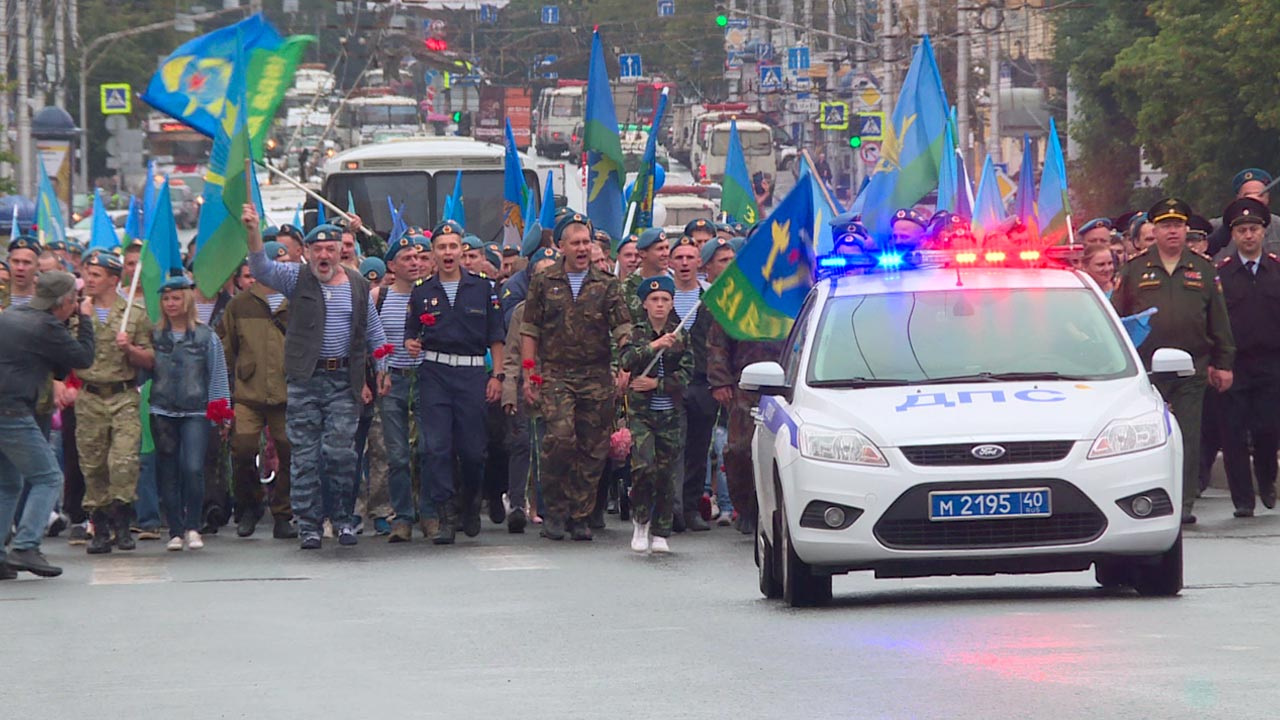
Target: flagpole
column 631, row 217
column 313, row 194
column 822, row 185
column 133, row 284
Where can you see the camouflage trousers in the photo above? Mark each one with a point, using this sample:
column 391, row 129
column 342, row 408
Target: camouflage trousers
column 657, row 456
column 374, row 499
column 739, row 471
column 246, row 446
column 321, row 424
column 108, row 437
column 579, row 415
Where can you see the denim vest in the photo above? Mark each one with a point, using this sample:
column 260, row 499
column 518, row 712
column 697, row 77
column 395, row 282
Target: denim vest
column 180, row 379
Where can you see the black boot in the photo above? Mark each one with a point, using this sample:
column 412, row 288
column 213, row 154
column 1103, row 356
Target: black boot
column 553, row 527
column 580, row 529
column 123, row 517
column 101, row 542
column 448, row 525
column 595, row 520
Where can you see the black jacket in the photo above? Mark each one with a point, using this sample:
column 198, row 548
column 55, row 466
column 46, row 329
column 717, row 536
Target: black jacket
column 34, row 344
column 1253, row 305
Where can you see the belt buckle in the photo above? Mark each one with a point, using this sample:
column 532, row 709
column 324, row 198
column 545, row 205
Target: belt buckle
column 331, row 364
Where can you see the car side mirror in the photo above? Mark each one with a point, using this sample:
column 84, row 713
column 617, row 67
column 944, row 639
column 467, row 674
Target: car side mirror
column 766, row 378
column 1168, row 360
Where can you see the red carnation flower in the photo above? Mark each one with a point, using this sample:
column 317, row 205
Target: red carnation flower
column 74, row 382
column 219, row 411
column 427, row 319
column 528, row 364
column 535, row 379
column 383, row 351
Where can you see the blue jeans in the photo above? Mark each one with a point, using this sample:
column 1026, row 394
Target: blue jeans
column 147, row 506
column 394, row 407
column 180, row 448
column 321, row 423
column 25, row 456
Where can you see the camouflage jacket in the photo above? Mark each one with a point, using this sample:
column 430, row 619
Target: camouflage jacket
column 579, row 333
column 726, row 356
column 677, row 362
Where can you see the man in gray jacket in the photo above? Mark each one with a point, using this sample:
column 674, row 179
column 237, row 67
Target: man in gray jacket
column 34, row 342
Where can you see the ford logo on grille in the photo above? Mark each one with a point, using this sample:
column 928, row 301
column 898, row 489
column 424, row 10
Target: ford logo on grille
column 987, row 452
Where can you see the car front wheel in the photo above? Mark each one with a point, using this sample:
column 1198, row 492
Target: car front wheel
column 800, row 586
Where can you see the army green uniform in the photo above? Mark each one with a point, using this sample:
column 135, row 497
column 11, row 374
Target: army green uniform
column 108, row 423
column 657, row 436
column 576, row 340
column 629, row 286
column 726, row 357
column 1192, row 317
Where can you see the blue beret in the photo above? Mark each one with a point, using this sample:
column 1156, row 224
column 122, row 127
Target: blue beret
column 105, row 260
column 75, row 247
column 449, row 227
column 274, row 250
column 493, row 254
column 737, row 243
column 471, row 242
column 700, row 224
column 571, row 218
column 177, row 282
column 1249, row 174
column 910, row 215
column 290, row 230
column 404, row 243
column 323, row 233
column 739, row 228
column 422, row 241
column 56, row 245
column 724, row 228
column 658, row 283
column 1096, row 223
column 1246, row 210
column 26, row 242
column 628, row 239
column 710, row 247
column 271, row 232
column 601, row 236
column 651, row 237
column 373, row 269
column 545, row 253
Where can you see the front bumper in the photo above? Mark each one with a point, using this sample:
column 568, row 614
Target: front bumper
column 894, row 537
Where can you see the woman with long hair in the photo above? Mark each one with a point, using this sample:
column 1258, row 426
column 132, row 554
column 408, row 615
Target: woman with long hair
column 189, row 390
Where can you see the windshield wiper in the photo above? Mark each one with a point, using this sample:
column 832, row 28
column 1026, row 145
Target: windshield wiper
column 1002, row 377
column 854, row 383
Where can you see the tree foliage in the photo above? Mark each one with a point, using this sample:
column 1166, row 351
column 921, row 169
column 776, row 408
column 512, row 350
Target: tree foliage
column 1191, row 81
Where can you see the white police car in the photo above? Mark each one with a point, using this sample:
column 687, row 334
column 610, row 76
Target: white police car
column 975, row 422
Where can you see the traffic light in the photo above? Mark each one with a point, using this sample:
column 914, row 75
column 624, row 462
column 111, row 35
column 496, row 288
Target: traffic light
column 722, row 15
column 855, row 141
column 457, row 116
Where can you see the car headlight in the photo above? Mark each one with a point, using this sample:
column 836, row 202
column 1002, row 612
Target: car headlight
column 1130, row 435
column 843, row 446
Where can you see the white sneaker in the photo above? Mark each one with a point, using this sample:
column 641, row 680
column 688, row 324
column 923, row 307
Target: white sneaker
column 194, row 541
column 175, row 545
column 640, row 537
column 659, row 545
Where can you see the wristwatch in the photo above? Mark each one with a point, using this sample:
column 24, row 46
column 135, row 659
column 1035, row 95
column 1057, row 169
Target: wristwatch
column 500, row 377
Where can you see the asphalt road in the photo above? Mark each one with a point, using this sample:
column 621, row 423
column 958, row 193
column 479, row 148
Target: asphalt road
column 516, row 626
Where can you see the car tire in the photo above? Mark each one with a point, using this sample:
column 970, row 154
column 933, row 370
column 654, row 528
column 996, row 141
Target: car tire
column 1111, row 574
column 800, row 586
column 1161, row 575
column 770, row 587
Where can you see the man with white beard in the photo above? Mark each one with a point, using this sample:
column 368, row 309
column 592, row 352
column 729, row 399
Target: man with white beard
column 333, row 329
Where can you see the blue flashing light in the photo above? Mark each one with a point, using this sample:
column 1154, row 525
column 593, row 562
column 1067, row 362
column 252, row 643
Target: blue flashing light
column 832, row 262
column 890, row 261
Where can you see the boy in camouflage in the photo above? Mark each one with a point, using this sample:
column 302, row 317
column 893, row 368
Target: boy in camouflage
column 656, row 412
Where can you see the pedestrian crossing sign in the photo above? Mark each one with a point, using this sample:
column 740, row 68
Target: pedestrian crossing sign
column 117, row 99
column 833, row 116
column 871, row 125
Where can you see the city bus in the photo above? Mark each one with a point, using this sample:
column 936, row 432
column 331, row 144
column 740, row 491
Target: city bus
column 363, row 119
column 420, row 172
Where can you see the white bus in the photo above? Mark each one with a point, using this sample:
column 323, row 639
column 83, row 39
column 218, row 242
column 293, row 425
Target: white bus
column 420, row 173
column 558, row 114
column 363, row 119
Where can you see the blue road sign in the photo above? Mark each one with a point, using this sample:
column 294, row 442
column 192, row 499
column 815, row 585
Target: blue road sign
column 797, row 59
column 550, row 14
column 871, row 125
column 737, row 23
column 770, row 78
column 489, row 14
column 666, row 8
column 630, row 66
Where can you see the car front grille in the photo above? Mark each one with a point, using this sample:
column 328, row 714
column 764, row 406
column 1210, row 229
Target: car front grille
column 906, row 524
column 962, row 453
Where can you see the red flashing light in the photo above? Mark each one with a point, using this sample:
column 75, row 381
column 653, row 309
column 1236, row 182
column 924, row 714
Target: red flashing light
column 436, row 44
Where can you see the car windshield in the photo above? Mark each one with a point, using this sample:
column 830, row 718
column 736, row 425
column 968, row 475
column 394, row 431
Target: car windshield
column 566, row 106
column 387, row 115
column 967, row 336
column 754, row 142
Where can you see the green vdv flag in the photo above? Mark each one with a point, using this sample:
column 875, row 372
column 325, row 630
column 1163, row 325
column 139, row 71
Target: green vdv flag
column 738, row 199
